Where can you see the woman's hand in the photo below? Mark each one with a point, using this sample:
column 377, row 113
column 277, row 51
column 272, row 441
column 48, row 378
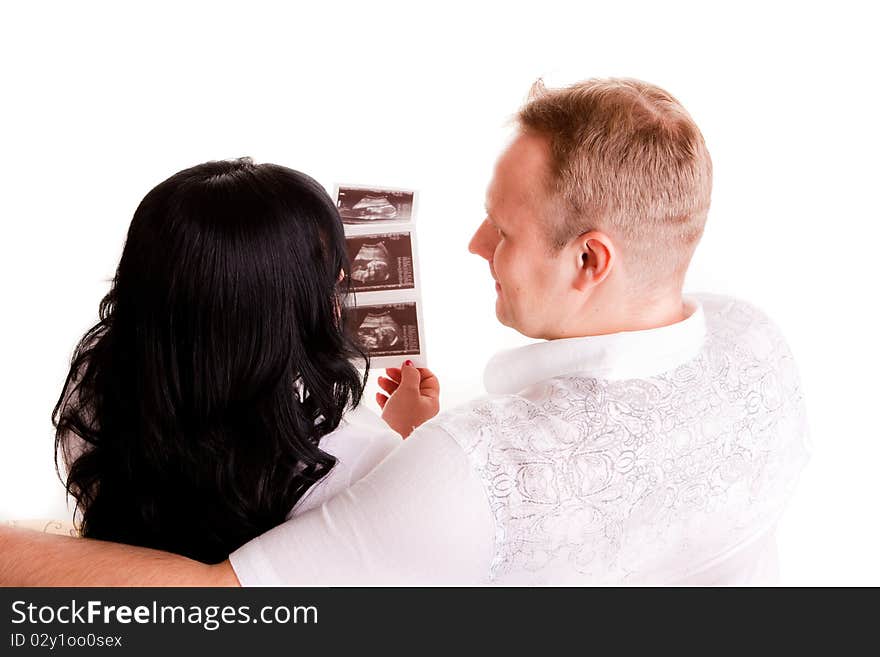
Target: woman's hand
column 413, row 397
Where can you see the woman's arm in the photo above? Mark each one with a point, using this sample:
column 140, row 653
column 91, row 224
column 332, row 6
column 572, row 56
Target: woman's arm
column 31, row 558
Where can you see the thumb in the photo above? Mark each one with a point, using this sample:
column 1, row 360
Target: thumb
column 409, row 376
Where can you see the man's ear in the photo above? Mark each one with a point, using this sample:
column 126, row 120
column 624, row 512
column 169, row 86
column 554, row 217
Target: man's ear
column 597, row 256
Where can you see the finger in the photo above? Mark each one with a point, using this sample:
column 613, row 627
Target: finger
column 387, row 385
column 381, row 400
column 393, row 373
column 430, row 384
column 409, row 376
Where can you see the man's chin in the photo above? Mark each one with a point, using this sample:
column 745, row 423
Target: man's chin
column 505, row 320
column 502, row 316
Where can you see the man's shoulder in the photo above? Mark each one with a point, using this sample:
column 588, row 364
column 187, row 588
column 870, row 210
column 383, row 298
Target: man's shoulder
column 727, row 312
column 518, row 423
column 740, row 327
column 485, row 411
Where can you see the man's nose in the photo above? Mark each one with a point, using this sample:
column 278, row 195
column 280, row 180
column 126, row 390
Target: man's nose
column 480, row 243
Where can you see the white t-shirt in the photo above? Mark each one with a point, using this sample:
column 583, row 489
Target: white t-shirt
column 663, row 456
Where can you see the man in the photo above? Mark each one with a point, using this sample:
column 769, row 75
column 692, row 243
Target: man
column 651, row 438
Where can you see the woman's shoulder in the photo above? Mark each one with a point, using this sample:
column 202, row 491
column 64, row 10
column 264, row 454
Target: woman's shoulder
column 361, row 438
column 360, row 442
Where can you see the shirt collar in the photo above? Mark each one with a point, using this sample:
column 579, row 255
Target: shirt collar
column 624, row 355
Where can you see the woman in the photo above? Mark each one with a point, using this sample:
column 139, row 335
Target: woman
column 202, row 407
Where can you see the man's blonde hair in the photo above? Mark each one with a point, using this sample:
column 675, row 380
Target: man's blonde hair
column 625, row 158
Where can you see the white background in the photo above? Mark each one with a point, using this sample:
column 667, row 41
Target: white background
column 101, row 101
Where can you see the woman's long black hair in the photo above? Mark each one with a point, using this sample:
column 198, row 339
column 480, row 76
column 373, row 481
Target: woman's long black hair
column 192, row 415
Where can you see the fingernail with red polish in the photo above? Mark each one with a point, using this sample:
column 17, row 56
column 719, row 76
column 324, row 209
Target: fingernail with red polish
column 408, row 363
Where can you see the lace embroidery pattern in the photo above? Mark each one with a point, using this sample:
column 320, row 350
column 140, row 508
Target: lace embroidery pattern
column 609, row 481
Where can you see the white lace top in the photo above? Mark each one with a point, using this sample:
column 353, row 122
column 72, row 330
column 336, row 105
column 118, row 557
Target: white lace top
column 660, row 456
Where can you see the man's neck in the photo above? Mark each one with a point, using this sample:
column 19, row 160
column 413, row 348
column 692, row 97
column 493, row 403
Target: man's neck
column 603, row 318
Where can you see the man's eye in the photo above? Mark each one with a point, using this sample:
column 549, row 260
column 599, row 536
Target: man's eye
column 495, row 227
